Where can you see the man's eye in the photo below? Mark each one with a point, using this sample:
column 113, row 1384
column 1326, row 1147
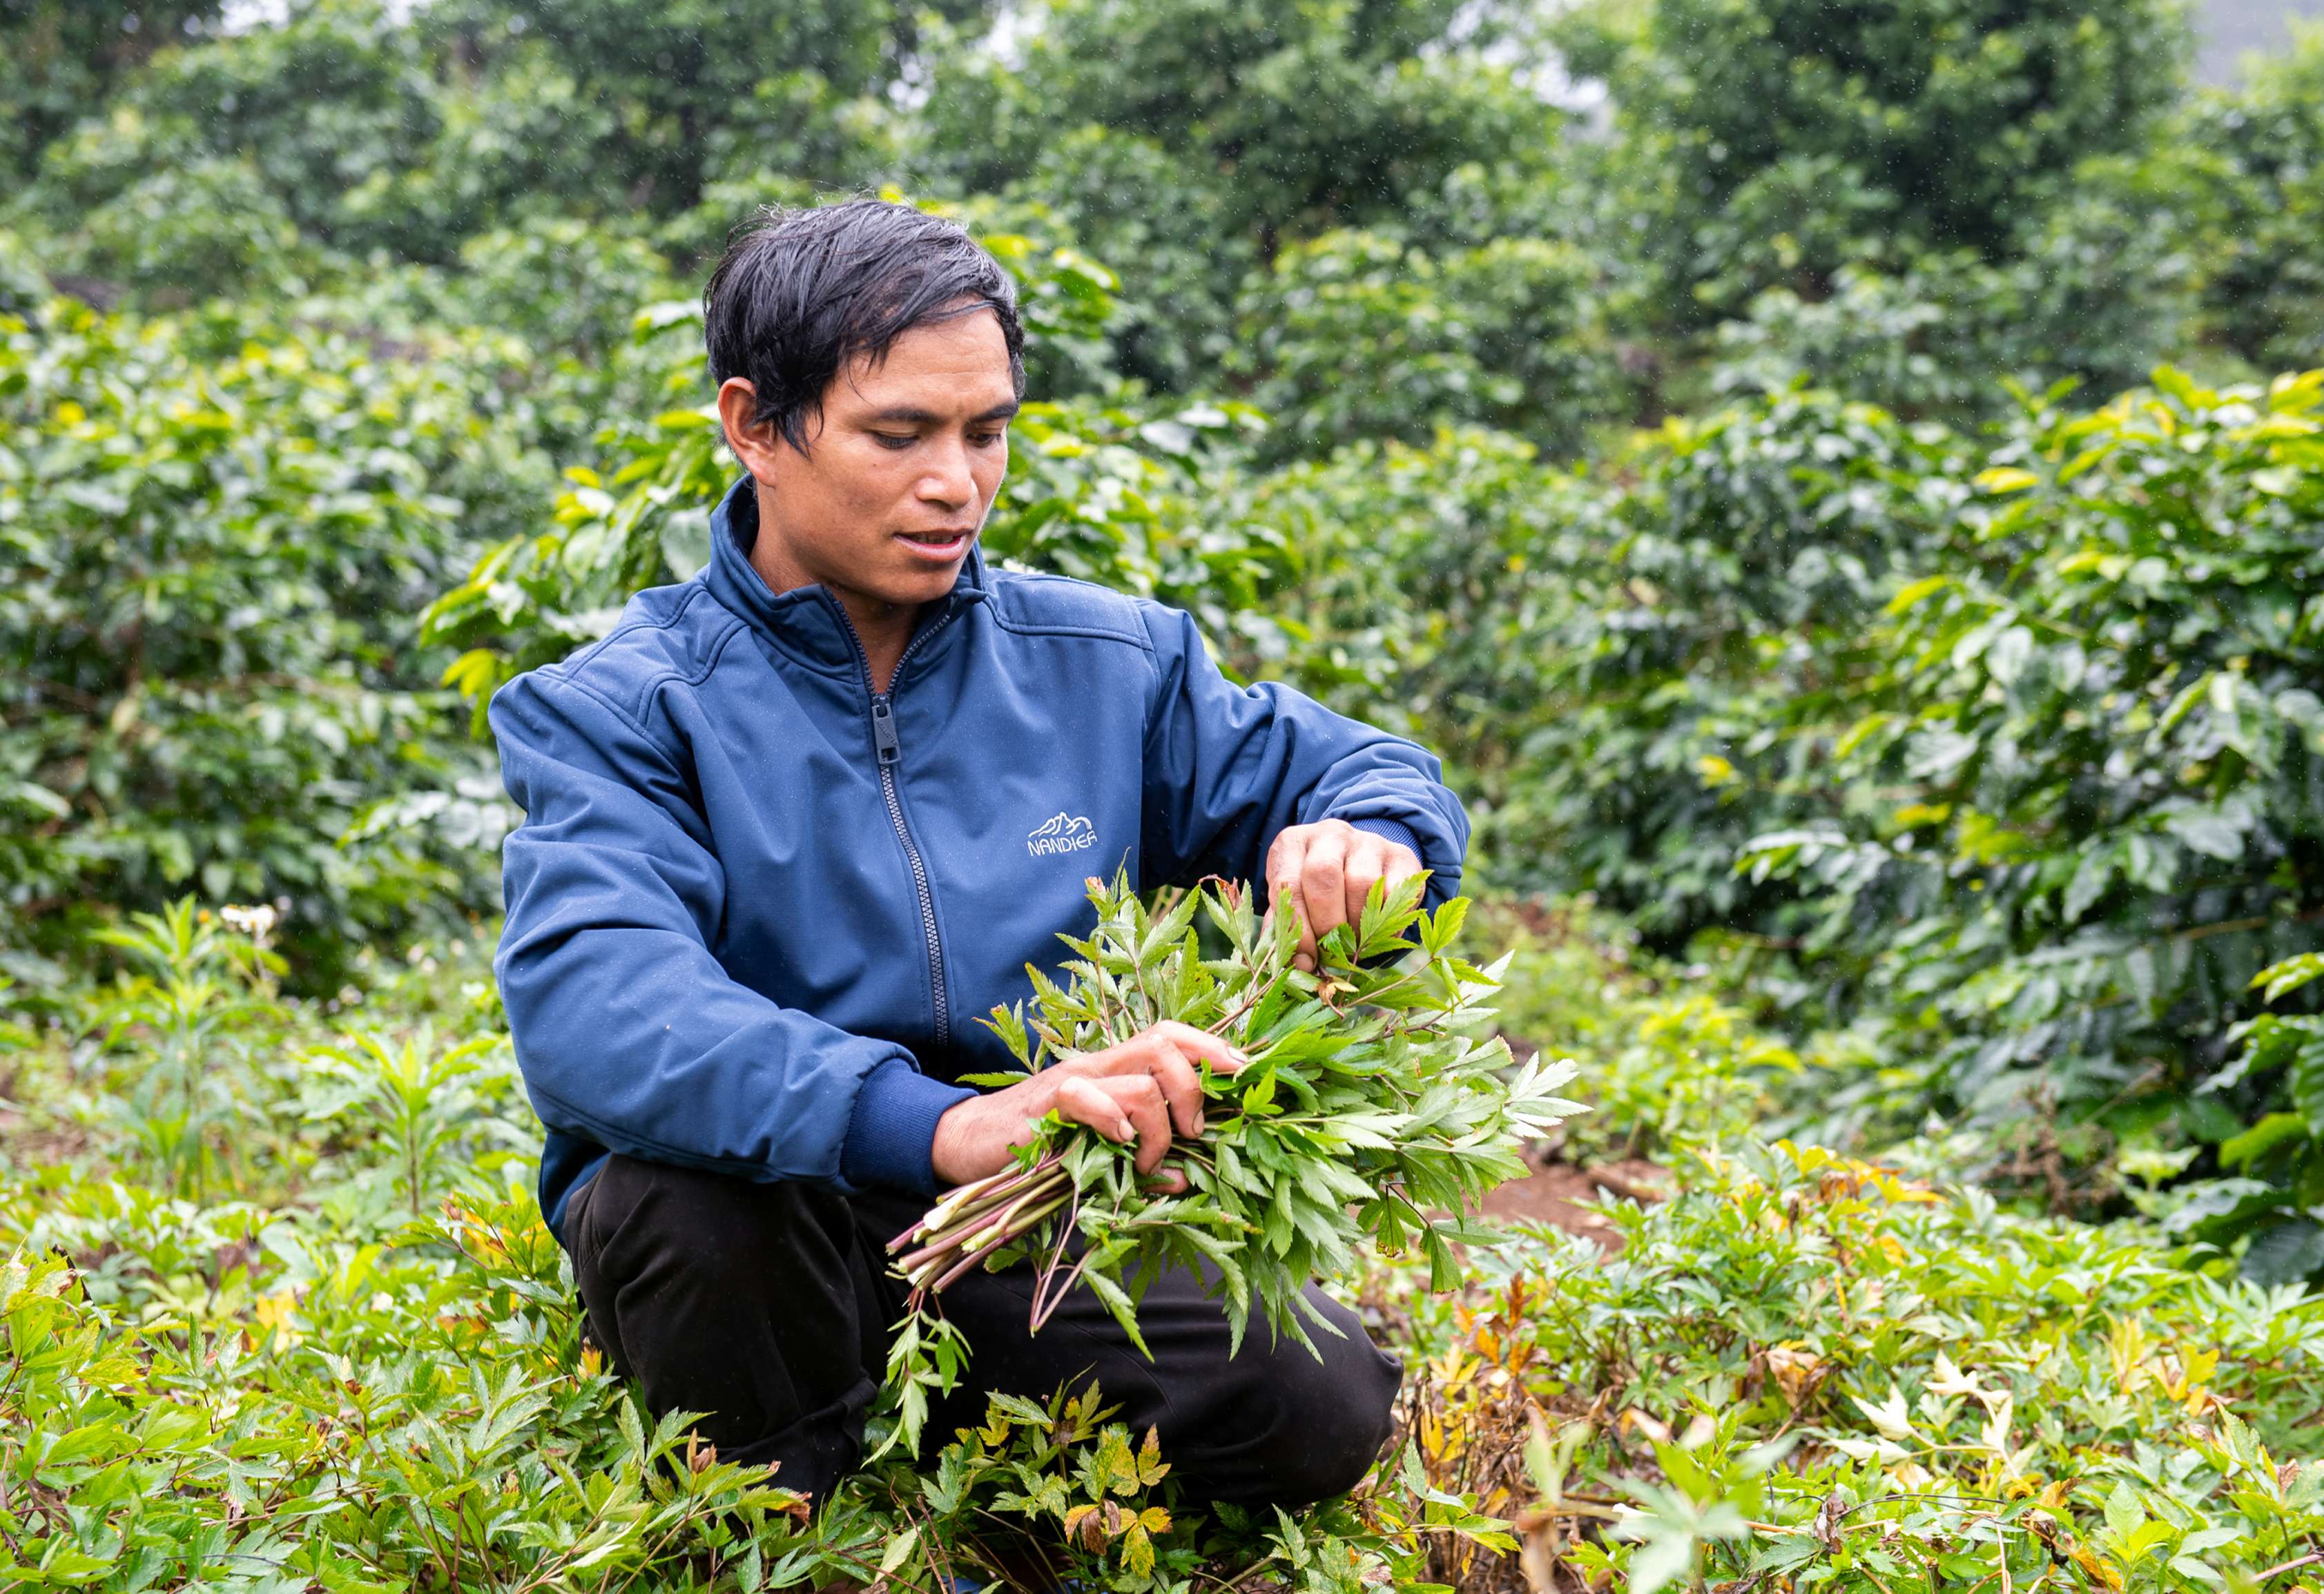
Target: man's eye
column 987, row 439
column 890, row 440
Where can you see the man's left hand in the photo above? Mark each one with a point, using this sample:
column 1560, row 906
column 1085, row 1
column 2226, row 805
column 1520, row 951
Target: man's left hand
column 1325, row 870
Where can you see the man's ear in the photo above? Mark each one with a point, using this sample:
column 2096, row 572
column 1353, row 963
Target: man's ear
column 753, row 441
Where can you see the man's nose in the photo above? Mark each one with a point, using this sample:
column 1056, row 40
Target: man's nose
column 948, row 480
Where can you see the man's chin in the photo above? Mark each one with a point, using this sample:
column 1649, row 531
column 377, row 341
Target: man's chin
column 911, row 589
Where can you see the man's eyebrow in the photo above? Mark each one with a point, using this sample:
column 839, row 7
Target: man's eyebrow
column 908, row 415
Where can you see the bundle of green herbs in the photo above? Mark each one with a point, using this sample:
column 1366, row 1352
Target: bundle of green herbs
column 1373, row 1108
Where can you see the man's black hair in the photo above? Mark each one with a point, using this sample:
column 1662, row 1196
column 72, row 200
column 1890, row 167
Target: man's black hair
column 799, row 293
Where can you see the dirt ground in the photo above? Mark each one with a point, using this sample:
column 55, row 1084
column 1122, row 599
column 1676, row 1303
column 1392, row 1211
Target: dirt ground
column 1569, row 1197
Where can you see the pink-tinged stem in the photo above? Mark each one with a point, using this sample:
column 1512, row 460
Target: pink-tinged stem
column 1056, row 1260
column 952, row 1236
column 1042, row 1313
column 999, row 1239
column 957, row 1237
column 992, row 1188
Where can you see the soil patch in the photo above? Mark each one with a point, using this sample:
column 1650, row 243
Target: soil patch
column 1570, row 1197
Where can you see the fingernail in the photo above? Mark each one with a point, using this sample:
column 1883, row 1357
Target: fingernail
column 1302, row 962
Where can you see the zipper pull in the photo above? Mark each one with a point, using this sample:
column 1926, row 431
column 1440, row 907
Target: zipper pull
column 883, row 729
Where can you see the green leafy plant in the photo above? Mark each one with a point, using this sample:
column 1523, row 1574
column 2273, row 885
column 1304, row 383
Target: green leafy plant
column 1368, row 1111
column 207, row 566
column 2273, row 1170
column 422, row 1100
column 343, row 1435
column 201, row 985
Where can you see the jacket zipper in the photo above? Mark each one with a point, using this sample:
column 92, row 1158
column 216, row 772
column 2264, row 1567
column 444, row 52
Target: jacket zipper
column 890, row 751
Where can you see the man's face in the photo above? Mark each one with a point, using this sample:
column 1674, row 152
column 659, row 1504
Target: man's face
column 898, row 474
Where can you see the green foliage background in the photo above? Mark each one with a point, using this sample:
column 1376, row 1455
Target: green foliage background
column 1837, row 483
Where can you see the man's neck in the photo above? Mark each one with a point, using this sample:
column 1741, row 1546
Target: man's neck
column 884, row 630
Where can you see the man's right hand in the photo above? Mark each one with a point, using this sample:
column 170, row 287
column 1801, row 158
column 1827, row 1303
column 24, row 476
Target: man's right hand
column 1139, row 1092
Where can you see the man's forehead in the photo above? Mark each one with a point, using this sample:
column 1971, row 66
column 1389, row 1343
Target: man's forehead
column 942, row 371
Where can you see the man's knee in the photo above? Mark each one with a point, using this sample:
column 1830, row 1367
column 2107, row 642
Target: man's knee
column 1339, row 1413
column 1290, row 1426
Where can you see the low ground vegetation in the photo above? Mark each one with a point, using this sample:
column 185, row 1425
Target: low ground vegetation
column 281, row 1312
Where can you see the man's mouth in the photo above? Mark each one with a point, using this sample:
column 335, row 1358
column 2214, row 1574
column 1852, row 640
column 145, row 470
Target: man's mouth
column 946, row 544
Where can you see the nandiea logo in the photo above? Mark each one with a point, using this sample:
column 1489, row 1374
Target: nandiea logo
column 1067, row 833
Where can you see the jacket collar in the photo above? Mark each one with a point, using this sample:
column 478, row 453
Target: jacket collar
column 806, row 622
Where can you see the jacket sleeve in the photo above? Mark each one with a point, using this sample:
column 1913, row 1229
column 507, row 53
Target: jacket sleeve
column 1227, row 767
column 627, row 1029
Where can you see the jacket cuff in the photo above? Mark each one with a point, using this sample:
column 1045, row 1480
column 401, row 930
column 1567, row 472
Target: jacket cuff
column 894, row 1126
column 1388, row 830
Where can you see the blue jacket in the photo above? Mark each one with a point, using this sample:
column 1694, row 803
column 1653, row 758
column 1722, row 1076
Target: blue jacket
column 755, row 909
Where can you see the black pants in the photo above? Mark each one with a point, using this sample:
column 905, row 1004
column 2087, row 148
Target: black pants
column 769, row 1307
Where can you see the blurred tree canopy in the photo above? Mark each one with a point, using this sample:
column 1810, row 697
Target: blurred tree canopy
column 675, row 94
column 60, row 58
column 1774, row 140
column 2260, row 201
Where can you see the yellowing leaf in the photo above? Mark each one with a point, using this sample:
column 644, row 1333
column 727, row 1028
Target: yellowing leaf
column 1796, row 1369
column 1889, row 1416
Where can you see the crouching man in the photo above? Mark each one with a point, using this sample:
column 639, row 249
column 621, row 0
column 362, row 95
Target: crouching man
column 797, row 823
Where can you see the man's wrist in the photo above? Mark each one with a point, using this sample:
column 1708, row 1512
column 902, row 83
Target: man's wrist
column 891, row 1132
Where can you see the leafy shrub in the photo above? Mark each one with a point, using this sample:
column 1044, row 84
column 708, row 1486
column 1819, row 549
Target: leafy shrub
column 1356, row 335
column 1127, row 198
column 191, row 232
column 2074, row 815
column 206, row 567
column 2096, row 292
column 1607, row 658
column 1732, row 562
column 2275, row 1167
